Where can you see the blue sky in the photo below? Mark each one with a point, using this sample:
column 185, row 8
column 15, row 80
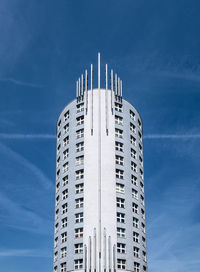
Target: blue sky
column 154, row 46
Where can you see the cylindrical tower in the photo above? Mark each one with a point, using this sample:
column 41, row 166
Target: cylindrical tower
column 99, row 209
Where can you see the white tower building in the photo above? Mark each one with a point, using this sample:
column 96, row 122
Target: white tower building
column 99, row 209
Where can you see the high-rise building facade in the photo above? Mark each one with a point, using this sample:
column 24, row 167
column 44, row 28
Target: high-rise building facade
column 100, row 206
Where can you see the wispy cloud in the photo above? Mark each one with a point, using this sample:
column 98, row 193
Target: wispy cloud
column 20, row 136
column 19, row 217
column 171, row 136
column 35, row 170
column 24, row 253
column 22, row 83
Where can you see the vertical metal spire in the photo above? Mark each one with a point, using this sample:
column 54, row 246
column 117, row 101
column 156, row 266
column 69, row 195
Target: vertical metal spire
column 112, row 92
column 115, row 84
column 82, row 84
column 91, row 79
column 86, row 91
column 106, row 76
column 79, row 87
column 118, row 84
column 99, row 71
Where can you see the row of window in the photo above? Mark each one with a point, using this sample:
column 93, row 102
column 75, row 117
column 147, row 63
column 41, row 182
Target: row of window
column 79, row 134
column 120, row 147
column 79, row 108
column 121, row 204
column 79, row 148
column 78, row 264
column 78, row 249
column 119, row 134
column 121, row 264
column 121, row 219
column 79, row 188
column 121, row 233
column 78, row 233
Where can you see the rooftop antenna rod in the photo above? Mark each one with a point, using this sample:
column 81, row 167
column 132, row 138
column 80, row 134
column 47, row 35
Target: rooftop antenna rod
column 98, row 70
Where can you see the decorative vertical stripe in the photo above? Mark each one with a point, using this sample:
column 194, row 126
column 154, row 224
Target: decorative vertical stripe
column 86, row 92
column 99, row 172
column 112, row 93
column 95, row 250
column 105, row 249
column 109, row 254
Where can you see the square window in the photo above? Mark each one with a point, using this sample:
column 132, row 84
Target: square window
column 135, row 207
column 134, row 180
column 80, row 107
column 63, row 252
column 121, row 264
column 78, row 264
column 132, row 115
column 79, row 203
column 63, row 267
column 142, row 199
column 80, row 133
column 79, row 160
column 80, row 120
column 79, row 233
column 63, row 237
column 118, row 107
column 133, row 154
column 119, row 188
column 118, row 120
column 135, row 222
column 133, row 140
column 118, row 133
column 80, row 147
column 136, row 267
column 136, row 252
column 121, row 232
column 79, row 188
column 119, row 146
column 119, row 174
column 64, row 208
column 136, row 237
column 64, row 222
column 134, row 167
column 65, row 180
column 132, row 128
column 66, row 141
column 121, row 248
column 119, row 160
column 78, row 217
column 78, row 248
column 65, row 194
column 66, row 128
column 65, row 154
column 120, row 217
column 79, row 174
column 65, row 167
column 120, row 202
column 66, row 116
column 135, row 194
column 56, row 242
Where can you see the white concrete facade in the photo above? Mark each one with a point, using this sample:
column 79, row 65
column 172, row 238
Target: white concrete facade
column 99, row 209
